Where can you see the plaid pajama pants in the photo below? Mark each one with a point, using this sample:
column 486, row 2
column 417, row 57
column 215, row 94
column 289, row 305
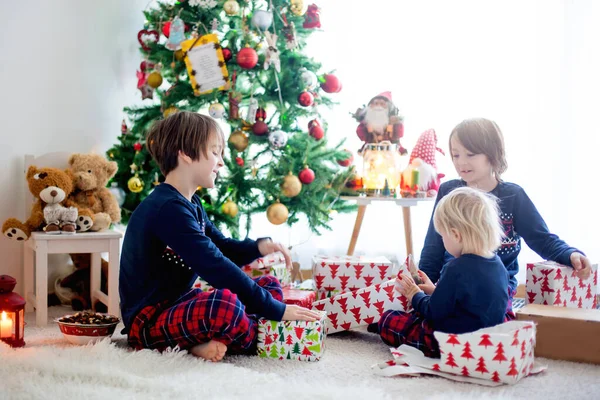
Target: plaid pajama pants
column 198, row 317
column 398, row 327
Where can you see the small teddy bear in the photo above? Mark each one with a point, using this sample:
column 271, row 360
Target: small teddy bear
column 90, row 174
column 51, row 187
column 59, row 219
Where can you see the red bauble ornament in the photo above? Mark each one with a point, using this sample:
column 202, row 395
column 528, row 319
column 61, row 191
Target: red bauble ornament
column 260, row 128
column 315, row 130
column 226, row 54
column 137, row 146
column 332, row 84
column 307, row 176
column 239, row 161
column 261, row 114
column 166, row 28
column 306, row 99
column 347, row 161
column 247, row 58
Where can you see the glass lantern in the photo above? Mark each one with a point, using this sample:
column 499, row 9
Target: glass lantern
column 382, row 164
column 12, row 309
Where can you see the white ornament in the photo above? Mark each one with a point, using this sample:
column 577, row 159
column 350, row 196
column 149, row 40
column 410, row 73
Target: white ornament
column 277, row 139
column 216, row 110
column 118, row 193
column 309, row 79
column 262, row 19
column 203, row 3
column 252, row 108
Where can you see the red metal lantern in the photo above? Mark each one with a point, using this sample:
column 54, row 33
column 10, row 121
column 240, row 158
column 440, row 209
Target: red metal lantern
column 12, row 311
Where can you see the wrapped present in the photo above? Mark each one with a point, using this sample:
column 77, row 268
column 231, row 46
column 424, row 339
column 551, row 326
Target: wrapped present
column 334, row 274
column 550, row 283
column 362, row 307
column 300, row 297
column 202, row 285
column 292, row 340
column 271, row 264
column 502, row 354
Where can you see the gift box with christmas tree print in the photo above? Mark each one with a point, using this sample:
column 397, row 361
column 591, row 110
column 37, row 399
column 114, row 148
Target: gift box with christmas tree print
column 292, row 340
column 334, row 275
column 550, row 283
column 202, row 285
column 271, row 264
column 502, row 354
column 362, row 307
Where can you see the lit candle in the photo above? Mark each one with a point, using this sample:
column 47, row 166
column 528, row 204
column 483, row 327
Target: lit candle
column 6, row 325
column 414, row 178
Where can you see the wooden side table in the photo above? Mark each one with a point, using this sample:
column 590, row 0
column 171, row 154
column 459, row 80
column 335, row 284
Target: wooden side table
column 364, row 201
column 35, row 254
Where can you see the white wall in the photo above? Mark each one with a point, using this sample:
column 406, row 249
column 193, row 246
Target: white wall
column 68, row 68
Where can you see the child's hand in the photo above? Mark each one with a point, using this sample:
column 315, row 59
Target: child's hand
column 297, row 313
column 581, row 265
column 406, row 286
column 266, row 246
column 427, row 286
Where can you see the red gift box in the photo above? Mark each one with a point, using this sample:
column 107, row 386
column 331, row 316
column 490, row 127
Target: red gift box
column 299, row 297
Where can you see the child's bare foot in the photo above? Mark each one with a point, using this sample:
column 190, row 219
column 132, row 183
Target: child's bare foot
column 212, row 351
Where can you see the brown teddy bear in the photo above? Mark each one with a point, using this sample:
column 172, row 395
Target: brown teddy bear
column 91, row 173
column 53, row 211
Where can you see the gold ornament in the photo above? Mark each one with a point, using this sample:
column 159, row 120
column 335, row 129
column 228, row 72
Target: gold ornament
column 133, row 167
column 135, row 184
column 291, row 186
column 170, row 110
column 238, row 140
column 298, row 7
column 231, row 7
column 230, row 208
column 154, row 79
column 179, row 54
column 277, row 213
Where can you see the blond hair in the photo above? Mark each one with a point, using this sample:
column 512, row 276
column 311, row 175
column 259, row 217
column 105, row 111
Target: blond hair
column 184, row 131
column 475, row 215
column 482, row 136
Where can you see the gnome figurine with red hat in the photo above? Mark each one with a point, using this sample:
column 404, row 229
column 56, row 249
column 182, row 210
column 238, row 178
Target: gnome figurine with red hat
column 379, row 121
column 421, row 178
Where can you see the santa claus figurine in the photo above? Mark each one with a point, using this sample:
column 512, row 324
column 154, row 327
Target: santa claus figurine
column 421, row 178
column 379, row 121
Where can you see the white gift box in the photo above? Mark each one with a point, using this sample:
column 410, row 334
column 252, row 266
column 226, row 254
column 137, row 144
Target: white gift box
column 553, row 284
column 502, row 354
column 340, row 274
column 362, row 307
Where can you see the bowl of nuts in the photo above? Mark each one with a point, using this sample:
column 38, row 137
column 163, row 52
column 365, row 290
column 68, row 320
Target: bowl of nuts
column 87, row 326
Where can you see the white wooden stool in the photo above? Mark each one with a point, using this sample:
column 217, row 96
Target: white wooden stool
column 42, row 244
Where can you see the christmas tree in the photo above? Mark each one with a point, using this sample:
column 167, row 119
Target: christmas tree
column 243, row 63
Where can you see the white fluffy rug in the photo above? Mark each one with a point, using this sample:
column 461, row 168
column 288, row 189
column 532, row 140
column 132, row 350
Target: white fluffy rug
column 50, row 368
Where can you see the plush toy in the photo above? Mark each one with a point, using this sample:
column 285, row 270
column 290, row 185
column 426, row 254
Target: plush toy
column 53, row 211
column 76, row 287
column 421, row 175
column 91, row 173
